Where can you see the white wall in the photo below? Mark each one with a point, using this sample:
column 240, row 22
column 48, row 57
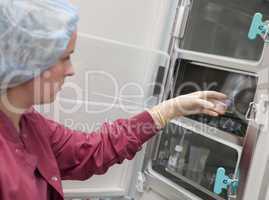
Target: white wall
column 136, row 22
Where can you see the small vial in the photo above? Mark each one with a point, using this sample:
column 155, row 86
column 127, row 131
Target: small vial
column 174, row 158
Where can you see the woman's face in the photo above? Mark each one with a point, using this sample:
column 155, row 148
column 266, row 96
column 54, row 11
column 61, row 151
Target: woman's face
column 45, row 87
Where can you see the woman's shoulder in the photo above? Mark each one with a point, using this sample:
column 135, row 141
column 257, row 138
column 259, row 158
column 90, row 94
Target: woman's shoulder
column 35, row 114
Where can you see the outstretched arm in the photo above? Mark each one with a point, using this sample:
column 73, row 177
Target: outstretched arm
column 80, row 155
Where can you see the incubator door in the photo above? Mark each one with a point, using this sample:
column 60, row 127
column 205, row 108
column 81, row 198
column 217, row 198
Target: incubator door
column 194, row 167
column 239, row 87
column 221, row 27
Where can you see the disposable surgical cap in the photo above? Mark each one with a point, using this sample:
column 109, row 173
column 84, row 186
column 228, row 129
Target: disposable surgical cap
column 33, row 36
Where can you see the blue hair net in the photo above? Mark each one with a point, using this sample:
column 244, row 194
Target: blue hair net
column 33, row 36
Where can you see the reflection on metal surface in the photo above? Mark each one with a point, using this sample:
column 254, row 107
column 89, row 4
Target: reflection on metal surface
column 210, row 132
column 265, row 183
column 218, row 60
column 166, row 187
column 194, row 184
column 246, row 157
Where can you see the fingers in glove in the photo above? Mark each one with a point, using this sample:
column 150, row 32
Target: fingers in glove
column 213, row 105
column 204, row 104
column 212, row 95
column 220, row 107
column 210, row 112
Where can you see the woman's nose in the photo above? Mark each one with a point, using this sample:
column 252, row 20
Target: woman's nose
column 69, row 71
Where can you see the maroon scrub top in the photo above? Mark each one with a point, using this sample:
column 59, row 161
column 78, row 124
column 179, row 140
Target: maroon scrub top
column 34, row 161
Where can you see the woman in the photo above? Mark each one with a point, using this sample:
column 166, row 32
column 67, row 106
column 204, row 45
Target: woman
column 37, row 39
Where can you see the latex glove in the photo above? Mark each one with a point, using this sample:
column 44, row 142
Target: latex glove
column 202, row 102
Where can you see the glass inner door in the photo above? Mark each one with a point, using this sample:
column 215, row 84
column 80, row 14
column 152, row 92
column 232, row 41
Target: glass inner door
column 191, row 160
column 221, row 27
column 239, row 87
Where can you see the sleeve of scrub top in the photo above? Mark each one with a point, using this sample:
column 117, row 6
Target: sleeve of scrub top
column 81, row 155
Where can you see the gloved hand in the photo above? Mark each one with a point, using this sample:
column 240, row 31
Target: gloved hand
column 202, row 102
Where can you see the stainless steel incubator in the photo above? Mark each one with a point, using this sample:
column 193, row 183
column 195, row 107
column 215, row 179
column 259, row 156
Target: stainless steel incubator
column 210, row 50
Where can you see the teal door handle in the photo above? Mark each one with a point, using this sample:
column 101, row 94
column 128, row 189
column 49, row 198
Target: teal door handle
column 258, row 27
column 223, row 182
